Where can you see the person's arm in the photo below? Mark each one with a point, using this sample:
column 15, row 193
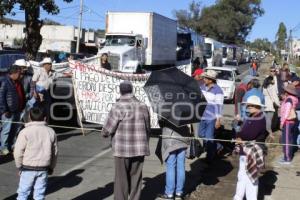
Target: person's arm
column 19, row 150
column 240, row 93
column 54, row 154
column 147, row 121
column 219, row 108
column 112, row 122
column 34, row 80
column 3, row 103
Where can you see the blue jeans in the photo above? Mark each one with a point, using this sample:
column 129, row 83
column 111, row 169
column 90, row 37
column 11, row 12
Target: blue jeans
column 9, row 130
column 35, row 179
column 207, row 130
column 175, row 172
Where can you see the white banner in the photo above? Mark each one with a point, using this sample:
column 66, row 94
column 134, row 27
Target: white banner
column 97, row 90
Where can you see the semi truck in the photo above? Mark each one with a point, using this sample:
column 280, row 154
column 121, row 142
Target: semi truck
column 136, row 40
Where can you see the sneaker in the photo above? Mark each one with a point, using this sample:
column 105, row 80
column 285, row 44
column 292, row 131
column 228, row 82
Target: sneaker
column 164, row 196
column 284, row 162
column 4, row 152
column 179, row 197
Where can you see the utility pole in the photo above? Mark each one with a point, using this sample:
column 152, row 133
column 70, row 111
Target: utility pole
column 79, row 26
column 290, row 46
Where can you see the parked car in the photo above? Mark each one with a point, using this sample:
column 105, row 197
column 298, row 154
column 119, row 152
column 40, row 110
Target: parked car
column 226, row 79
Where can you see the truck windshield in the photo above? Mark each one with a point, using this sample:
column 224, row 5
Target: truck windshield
column 119, row 40
column 208, row 50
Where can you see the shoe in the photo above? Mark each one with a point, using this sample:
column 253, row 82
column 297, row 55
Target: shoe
column 4, row 152
column 164, row 196
column 284, row 162
column 179, row 197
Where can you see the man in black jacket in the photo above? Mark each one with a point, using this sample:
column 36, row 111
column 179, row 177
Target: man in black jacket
column 9, row 108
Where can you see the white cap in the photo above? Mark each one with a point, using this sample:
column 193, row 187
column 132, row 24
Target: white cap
column 22, row 63
column 46, row 60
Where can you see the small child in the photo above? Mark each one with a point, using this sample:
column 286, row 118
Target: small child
column 35, row 155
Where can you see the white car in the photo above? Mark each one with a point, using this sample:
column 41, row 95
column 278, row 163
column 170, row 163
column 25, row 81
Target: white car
column 226, row 79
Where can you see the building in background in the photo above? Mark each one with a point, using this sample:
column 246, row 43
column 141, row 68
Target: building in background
column 55, row 37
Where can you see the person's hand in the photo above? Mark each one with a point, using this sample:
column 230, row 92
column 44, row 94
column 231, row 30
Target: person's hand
column 281, row 126
column 238, row 141
column 218, row 124
column 7, row 114
column 237, row 117
column 35, row 95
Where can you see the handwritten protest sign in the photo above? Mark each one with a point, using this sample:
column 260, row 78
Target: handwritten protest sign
column 97, row 89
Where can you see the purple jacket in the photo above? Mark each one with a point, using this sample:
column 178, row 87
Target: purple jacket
column 254, row 128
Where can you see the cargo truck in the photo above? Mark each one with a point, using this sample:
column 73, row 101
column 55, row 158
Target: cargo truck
column 136, row 40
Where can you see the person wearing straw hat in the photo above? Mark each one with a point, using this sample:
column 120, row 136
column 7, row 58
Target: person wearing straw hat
column 41, row 82
column 288, row 121
column 253, row 129
column 211, row 118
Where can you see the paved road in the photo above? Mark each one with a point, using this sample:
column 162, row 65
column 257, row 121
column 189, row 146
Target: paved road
column 85, row 168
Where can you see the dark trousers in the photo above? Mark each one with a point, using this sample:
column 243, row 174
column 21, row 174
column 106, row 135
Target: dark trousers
column 128, row 178
column 287, row 138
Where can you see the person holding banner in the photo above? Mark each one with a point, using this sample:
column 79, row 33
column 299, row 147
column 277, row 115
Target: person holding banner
column 128, row 123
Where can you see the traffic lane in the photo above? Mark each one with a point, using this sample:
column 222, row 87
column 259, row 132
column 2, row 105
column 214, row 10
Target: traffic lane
column 74, row 149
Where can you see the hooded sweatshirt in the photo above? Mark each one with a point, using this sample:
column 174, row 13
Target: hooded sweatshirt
column 289, row 103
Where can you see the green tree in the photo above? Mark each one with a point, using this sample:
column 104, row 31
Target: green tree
column 261, row 44
column 281, row 36
column 230, row 21
column 33, row 24
column 189, row 18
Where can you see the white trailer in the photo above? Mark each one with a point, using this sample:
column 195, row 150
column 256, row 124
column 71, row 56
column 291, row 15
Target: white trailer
column 137, row 39
column 213, row 52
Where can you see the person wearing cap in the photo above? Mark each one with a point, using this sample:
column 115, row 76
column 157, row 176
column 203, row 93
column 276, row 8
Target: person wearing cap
column 197, row 74
column 253, row 129
column 288, row 119
column 11, row 97
column 40, row 85
column 211, row 118
column 25, row 77
column 128, row 123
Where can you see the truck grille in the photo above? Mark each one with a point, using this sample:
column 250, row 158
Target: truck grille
column 114, row 61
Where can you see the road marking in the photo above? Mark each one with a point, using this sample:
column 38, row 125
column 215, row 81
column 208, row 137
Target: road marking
column 84, row 163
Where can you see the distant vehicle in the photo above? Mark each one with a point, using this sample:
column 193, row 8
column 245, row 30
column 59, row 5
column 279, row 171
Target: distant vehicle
column 226, row 79
column 224, row 53
column 213, row 52
column 235, row 55
column 134, row 40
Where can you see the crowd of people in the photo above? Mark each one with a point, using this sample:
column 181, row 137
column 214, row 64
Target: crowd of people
column 259, row 113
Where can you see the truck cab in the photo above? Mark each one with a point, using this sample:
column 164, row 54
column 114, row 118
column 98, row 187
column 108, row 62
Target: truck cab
column 126, row 52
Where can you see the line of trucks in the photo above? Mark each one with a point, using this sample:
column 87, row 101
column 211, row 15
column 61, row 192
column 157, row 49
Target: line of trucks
column 137, row 41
